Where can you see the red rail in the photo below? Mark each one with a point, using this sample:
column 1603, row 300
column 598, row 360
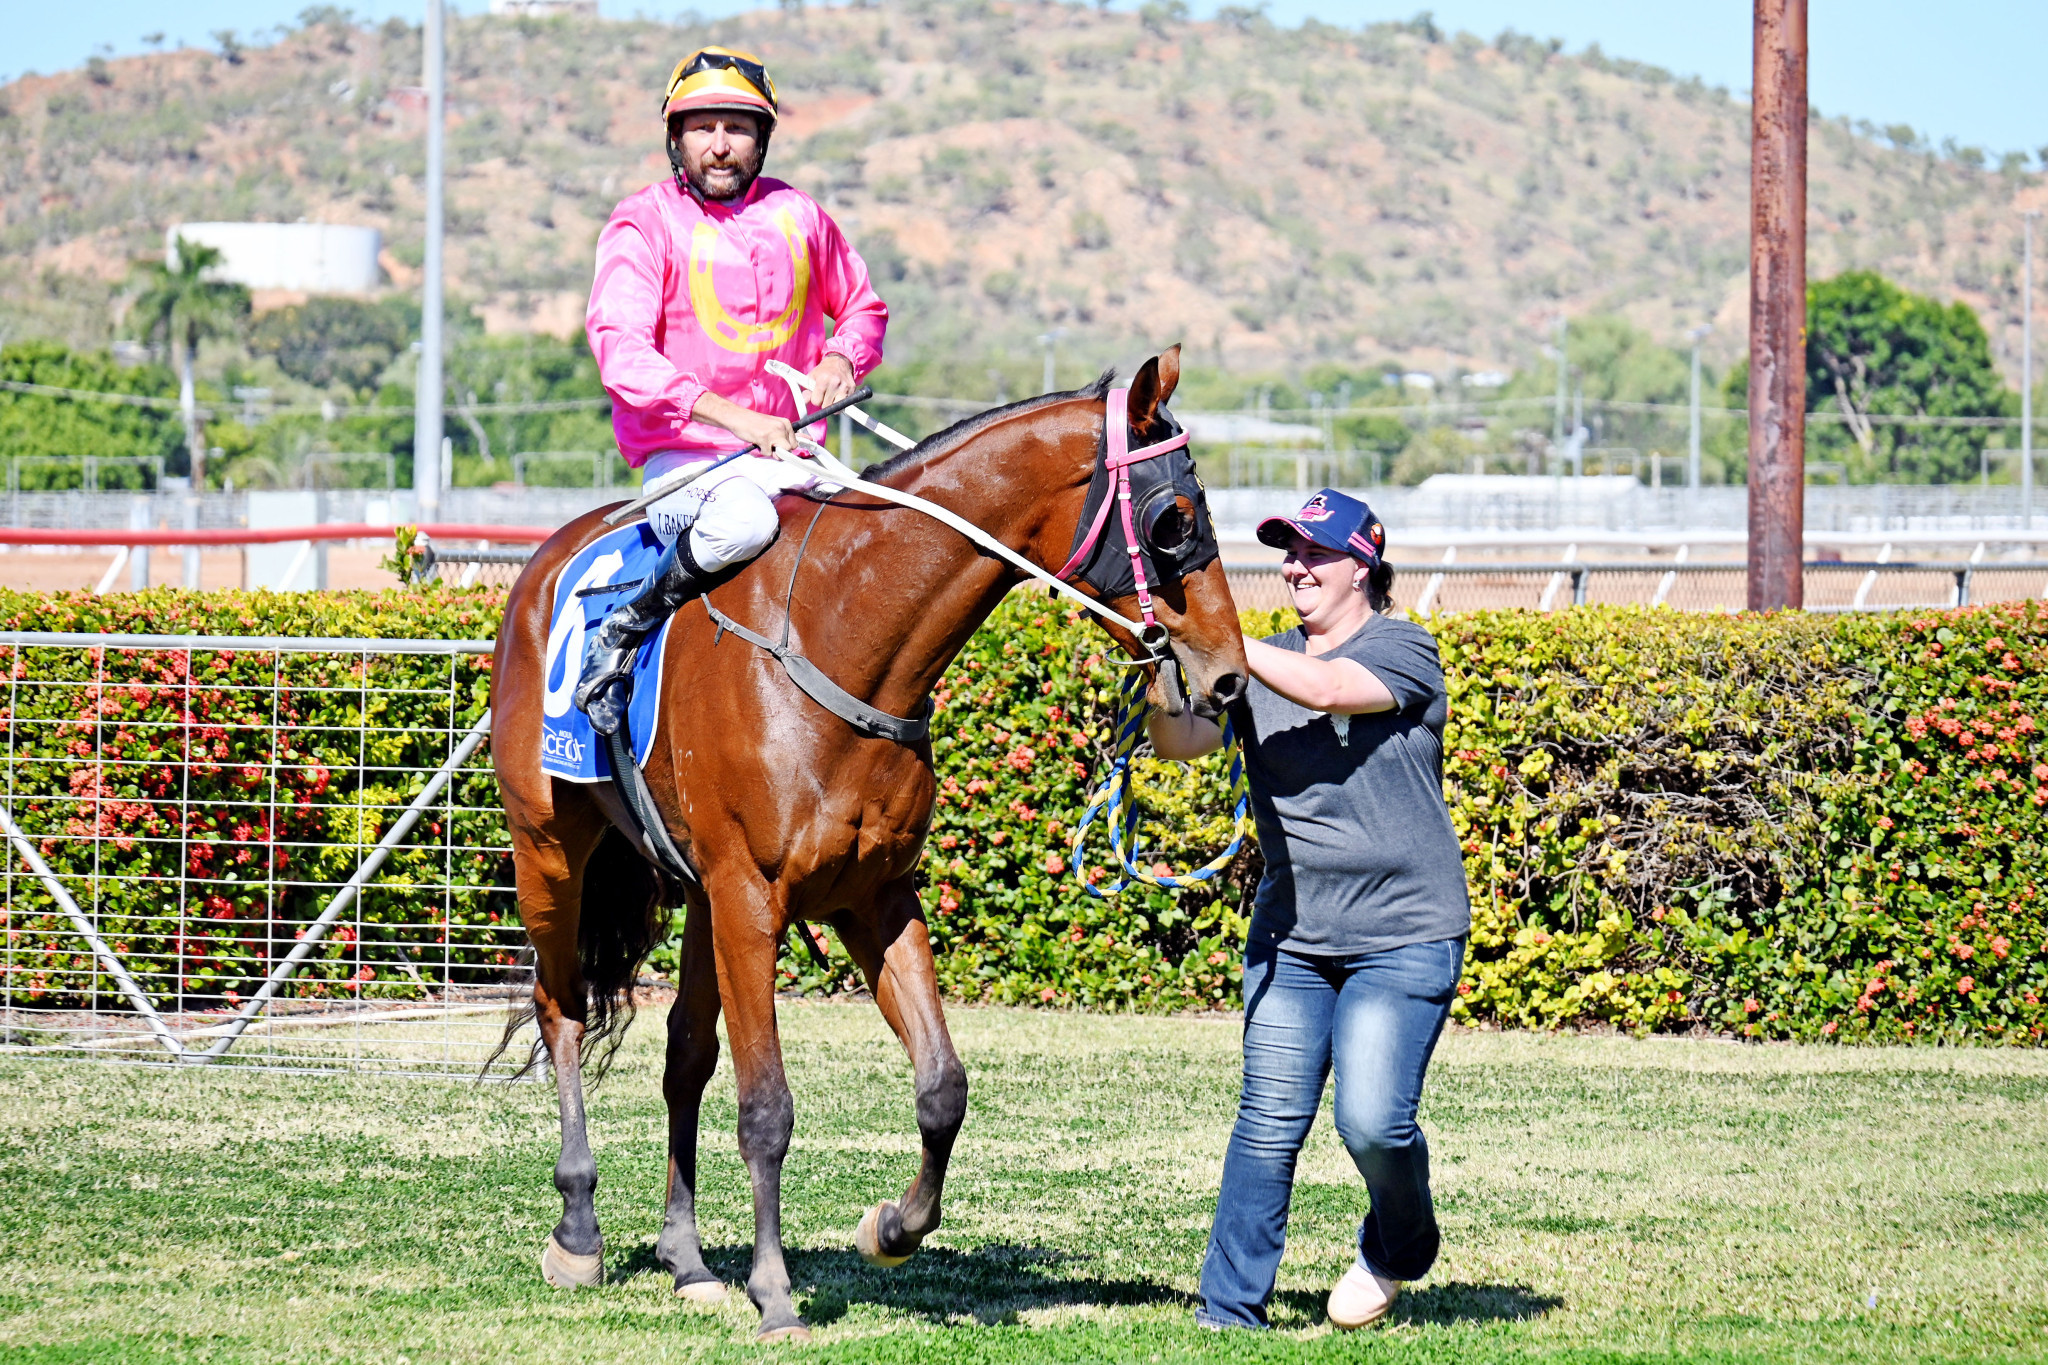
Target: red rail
column 269, row 535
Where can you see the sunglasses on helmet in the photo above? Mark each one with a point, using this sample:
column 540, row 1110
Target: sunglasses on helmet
column 754, row 73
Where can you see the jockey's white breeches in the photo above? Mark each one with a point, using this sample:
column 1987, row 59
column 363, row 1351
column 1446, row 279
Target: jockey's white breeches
column 729, row 514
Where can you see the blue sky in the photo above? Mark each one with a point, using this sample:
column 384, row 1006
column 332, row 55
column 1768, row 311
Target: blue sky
column 1957, row 70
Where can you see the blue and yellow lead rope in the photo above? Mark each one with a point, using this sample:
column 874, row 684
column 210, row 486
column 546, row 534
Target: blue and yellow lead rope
column 1118, row 807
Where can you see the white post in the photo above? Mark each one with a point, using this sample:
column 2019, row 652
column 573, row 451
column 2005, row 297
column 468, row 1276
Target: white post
column 192, row 551
column 140, row 518
column 427, row 475
column 2027, row 381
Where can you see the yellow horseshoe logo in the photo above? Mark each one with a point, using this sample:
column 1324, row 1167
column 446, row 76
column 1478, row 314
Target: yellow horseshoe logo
column 721, row 326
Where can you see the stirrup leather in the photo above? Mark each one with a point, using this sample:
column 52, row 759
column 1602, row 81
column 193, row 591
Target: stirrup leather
column 604, row 686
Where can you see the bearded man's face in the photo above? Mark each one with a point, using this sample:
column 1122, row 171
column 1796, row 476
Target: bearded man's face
column 721, row 151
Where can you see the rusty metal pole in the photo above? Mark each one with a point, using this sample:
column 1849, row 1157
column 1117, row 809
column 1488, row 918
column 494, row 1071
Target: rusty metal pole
column 1777, row 308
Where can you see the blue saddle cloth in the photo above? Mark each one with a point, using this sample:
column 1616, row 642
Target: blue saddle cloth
column 568, row 746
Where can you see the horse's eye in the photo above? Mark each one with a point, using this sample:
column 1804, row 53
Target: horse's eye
column 1171, row 529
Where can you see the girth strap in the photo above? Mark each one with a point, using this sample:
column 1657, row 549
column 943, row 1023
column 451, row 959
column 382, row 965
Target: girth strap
column 632, row 787
column 830, row 695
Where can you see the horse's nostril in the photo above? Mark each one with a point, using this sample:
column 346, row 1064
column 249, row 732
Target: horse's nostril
column 1229, row 688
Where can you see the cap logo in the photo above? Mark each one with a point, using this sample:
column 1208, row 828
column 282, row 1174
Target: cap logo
column 1379, row 533
column 1316, row 508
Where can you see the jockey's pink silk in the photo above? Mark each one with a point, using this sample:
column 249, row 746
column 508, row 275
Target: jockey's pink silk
column 693, row 296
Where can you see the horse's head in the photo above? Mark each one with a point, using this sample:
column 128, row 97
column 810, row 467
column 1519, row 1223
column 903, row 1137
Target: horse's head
column 1182, row 581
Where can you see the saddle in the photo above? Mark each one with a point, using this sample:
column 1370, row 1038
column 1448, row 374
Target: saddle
column 570, row 746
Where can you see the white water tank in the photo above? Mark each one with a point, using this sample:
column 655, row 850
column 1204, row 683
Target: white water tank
column 316, row 258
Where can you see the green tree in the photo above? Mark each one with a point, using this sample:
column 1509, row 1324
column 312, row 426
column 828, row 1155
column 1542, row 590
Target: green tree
column 330, row 341
column 1435, row 450
column 1874, row 351
column 181, row 304
column 1612, row 360
column 46, row 424
column 523, row 369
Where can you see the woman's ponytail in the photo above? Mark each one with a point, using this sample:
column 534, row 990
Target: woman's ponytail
column 1379, row 587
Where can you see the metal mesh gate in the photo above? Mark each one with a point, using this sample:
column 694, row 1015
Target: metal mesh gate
column 253, row 851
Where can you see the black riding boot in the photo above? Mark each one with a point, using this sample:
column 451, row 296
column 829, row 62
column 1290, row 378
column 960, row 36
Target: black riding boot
column 604, row 687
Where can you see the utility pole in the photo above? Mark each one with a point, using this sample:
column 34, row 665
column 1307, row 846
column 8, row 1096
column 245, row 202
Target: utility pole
column 1563, row 369
column 2027, row 380
column 1692, row 449
column 1777, row 308
column 427, row 474
column 1048, row 340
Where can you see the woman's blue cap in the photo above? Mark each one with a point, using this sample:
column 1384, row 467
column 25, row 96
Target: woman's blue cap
column 1333, row 520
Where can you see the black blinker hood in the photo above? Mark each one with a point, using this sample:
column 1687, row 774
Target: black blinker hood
column 1108, row 567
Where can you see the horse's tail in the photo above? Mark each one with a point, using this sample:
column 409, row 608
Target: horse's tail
column 624, row 915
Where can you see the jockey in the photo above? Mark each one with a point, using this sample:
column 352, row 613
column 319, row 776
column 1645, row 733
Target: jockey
column 701, row 280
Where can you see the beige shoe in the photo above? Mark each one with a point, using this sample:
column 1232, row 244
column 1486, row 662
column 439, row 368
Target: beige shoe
column 1361, row 1298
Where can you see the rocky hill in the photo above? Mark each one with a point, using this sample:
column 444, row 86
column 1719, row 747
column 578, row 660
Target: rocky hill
column 1273, row 197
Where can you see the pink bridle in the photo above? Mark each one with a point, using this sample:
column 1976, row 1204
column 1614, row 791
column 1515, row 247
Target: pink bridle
column 1118, row 461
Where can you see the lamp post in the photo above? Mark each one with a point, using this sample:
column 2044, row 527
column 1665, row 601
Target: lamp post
column 427, row 474
column 1692, row 448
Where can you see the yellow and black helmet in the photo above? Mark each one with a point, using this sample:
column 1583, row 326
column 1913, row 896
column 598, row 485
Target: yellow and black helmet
column 720, row 78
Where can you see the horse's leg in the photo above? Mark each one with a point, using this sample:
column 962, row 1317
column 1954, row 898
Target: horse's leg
column 549, row 871
column 692, row 1057
column 894, row 951
column 744, row 943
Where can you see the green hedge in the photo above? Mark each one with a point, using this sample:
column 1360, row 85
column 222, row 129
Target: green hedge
column 1778, row 827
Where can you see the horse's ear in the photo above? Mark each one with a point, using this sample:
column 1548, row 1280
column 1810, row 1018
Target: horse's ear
column 1152, row 385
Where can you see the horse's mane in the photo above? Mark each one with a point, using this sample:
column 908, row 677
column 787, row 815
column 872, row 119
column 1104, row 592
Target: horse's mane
column 966, row 427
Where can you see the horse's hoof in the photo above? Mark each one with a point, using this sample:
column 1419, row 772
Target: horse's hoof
column 567, row 1270
column 709, row 1293
column 867, row 1239
column 795, row 1332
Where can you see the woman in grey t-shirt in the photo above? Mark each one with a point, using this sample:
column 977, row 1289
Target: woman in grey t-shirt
column 1358, row 931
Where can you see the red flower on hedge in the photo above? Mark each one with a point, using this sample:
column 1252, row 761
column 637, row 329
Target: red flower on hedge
column 1966, row 985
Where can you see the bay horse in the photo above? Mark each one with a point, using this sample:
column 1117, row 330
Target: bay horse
column 788, row 815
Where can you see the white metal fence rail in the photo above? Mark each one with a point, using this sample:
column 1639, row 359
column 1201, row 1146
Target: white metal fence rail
column 283, row 852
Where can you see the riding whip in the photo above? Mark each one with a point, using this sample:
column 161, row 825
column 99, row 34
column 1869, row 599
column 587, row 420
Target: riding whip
column 678, row 482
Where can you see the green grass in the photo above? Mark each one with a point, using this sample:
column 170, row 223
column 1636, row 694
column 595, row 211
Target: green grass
column 1603, row 1200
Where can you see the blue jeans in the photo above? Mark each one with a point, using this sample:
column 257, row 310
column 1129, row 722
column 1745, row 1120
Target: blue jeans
column 1376, row 1017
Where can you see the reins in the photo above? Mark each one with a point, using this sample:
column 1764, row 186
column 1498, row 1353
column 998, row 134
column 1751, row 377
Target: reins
column 1114, row 795
column 1114, row 801
column 1150, row 633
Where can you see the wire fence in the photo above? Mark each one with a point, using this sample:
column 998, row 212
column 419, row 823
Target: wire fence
column 258, row 851
column 1425, row 590
column 1714, row 586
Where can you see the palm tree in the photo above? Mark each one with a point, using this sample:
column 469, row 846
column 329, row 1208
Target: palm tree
column 186, row 308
